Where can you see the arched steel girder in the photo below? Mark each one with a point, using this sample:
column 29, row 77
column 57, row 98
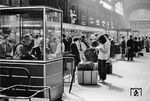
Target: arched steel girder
column 135, row 7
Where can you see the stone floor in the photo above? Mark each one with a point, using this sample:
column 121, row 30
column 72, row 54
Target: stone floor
column 126, row 75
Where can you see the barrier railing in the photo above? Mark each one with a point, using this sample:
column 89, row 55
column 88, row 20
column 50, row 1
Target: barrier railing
column 69, row 69
column 12, row 80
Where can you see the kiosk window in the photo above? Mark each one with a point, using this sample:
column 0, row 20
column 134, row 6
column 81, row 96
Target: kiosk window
column 9, row 34
column 28, row 33
column 53, row 35
column 21, row 32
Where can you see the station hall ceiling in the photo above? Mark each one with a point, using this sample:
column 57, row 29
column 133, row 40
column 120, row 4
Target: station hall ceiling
column 133, row 5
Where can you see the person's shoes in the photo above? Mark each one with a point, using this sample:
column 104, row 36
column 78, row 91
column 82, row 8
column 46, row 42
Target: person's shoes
column 103, row 81
column 100, row 80
column 132, row 60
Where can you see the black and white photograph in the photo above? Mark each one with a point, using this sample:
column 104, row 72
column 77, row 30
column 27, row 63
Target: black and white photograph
column 74, row 50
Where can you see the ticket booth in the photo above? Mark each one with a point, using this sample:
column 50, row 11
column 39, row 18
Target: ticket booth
column 43, row 26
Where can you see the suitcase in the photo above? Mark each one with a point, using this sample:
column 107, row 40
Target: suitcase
column 87, row 77
column 108, row 68
column 87, row 65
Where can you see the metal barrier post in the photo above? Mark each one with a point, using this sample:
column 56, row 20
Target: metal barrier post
column 72, row 69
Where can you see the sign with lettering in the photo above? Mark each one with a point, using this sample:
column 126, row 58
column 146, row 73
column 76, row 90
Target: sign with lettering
column 32, row 23
column 140, row 25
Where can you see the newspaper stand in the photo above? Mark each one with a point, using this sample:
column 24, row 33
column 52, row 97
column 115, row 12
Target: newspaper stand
column 46, row 23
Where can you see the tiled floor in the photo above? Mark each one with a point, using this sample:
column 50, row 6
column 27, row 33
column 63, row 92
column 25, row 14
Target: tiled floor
column 126, row 75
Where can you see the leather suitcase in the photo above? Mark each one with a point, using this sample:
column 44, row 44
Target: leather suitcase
column 87, row 65
column 87, row 77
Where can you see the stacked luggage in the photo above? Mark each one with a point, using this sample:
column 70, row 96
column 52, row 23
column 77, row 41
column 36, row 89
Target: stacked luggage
column 87, row 74
column 88, row 70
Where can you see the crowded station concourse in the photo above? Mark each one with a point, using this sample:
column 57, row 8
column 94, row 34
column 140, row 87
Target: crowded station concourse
column 74, row 50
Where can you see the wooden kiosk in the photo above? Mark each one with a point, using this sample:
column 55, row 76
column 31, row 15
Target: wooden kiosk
column 42, row 23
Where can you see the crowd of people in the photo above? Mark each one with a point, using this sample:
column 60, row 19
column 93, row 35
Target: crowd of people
column 30, row 47
column 133, row 47
column 99, row 49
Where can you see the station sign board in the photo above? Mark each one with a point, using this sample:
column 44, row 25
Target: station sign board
column 140, row 25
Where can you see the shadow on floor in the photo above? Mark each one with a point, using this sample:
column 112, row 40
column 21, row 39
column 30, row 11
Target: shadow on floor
column 74, row 97
column 112, row 87
column 137, row 61
column 117, row 75
column 91, row 86
column 79, row 87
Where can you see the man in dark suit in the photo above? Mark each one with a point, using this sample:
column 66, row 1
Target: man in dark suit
column 75, row 51
column 130, row 46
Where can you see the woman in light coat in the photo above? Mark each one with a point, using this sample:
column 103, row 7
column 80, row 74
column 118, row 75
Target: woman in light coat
column 102, row 57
